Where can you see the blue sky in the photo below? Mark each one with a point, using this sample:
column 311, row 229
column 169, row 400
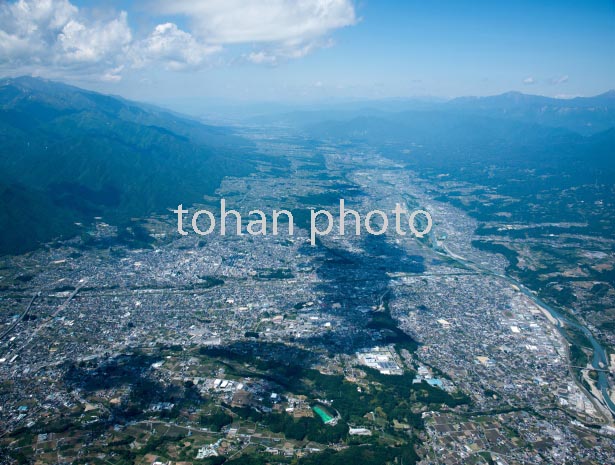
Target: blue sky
column 313, row 50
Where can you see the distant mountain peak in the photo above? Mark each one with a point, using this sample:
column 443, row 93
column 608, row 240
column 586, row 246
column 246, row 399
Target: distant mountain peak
column 32, row 82
column 510, row 97
column 514, row 93
column 609, row 94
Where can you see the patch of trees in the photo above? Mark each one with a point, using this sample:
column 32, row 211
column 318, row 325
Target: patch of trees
column 216, row 420
column 364, row 455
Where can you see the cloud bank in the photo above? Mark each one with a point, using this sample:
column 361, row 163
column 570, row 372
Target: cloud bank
column 281, row 29
column 52, row 34
column 56, row 38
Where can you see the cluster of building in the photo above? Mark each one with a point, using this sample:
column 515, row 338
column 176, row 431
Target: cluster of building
column 383, row 359
column 70, row 310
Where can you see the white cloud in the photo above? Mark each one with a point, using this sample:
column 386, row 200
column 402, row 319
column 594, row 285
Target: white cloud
column 244, row 21
column 55, row 38
column 559, row 80
column 529, row 81
column 262, row 57
column 272, row 54
column 53, row 34
column 113, row 75
column 285, row 28
column 79, row 42
column 172, row 46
